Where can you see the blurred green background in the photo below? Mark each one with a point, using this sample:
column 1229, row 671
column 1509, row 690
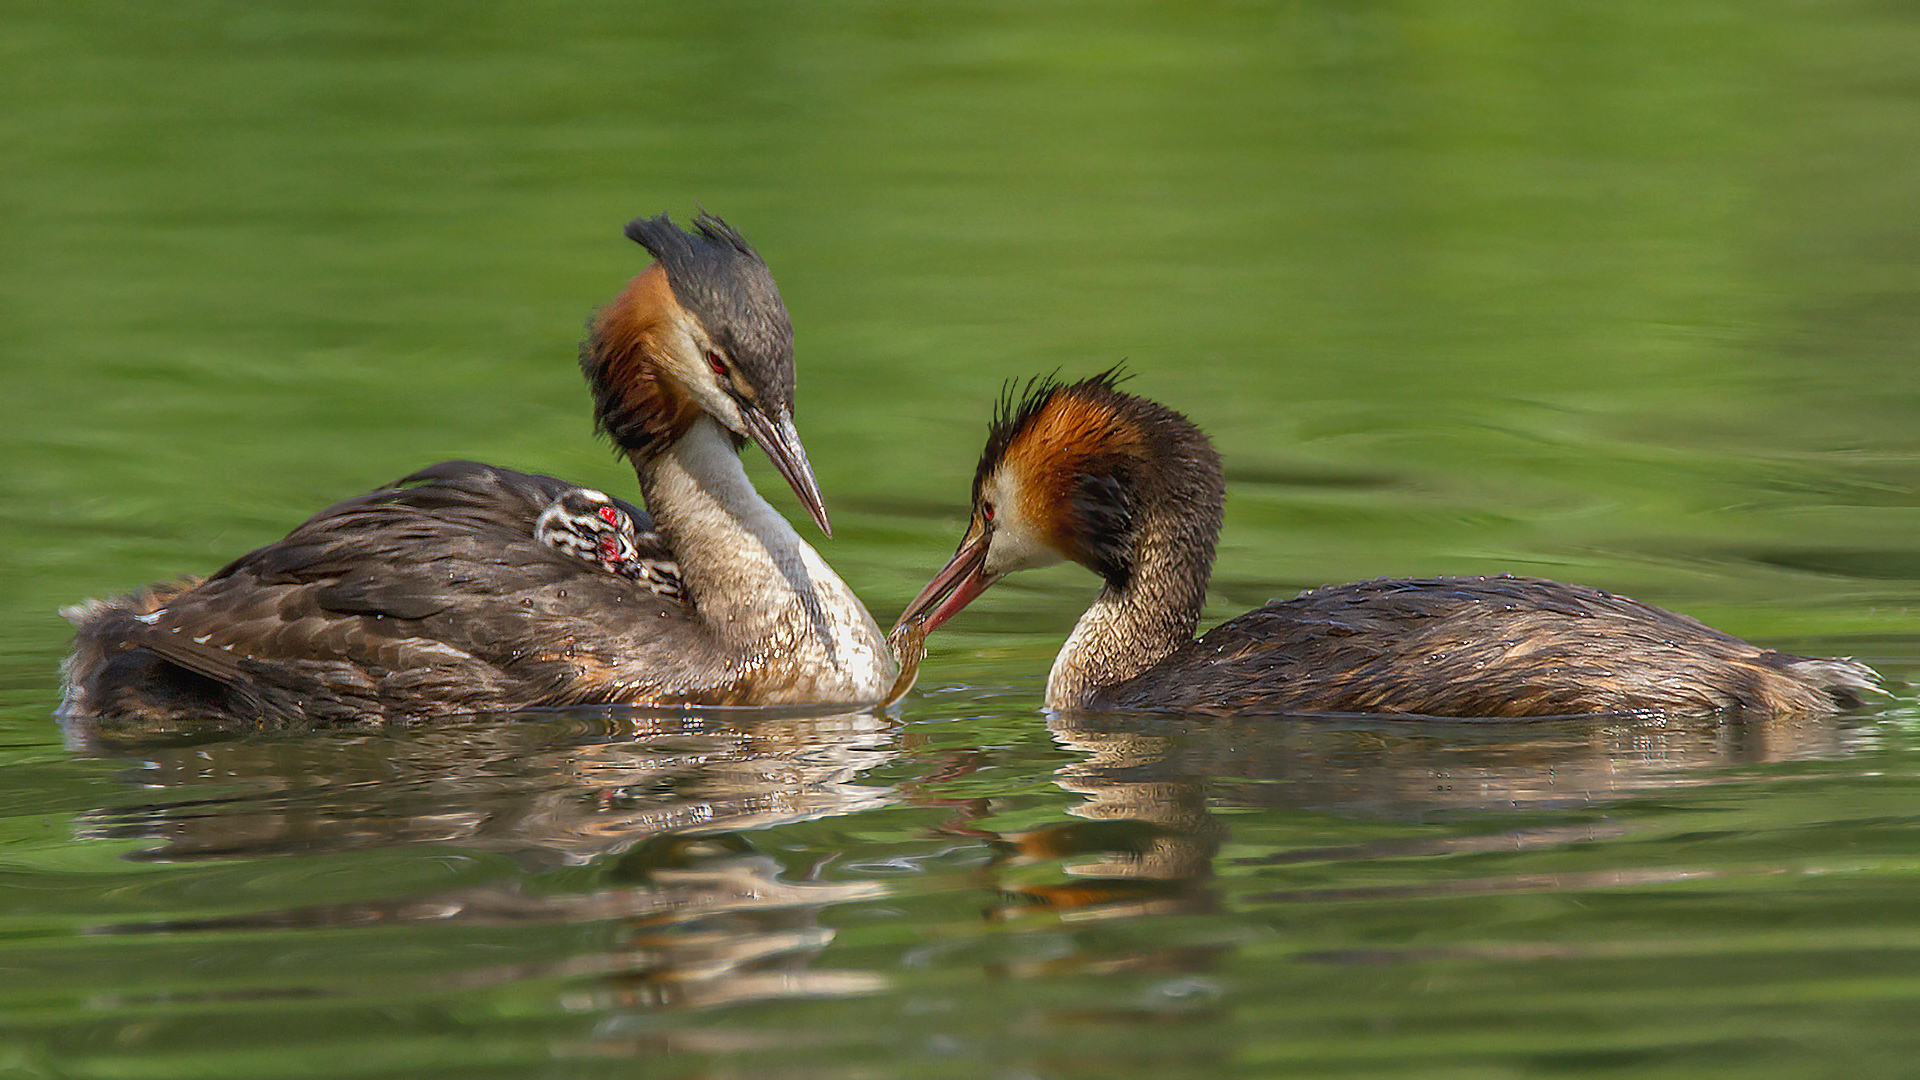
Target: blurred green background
column 1626, row 293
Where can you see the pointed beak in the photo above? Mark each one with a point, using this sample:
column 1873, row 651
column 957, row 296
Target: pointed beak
column 954, row 587
column 782, row 444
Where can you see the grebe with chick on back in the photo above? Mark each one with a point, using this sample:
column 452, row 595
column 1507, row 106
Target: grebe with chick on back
column 467, row 587
column 1133, row 491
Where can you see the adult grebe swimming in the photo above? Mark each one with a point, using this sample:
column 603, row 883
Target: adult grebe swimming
column 466, row 587
column 1133, row 491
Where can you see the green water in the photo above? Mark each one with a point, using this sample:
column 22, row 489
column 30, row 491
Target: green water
column 1626, row 294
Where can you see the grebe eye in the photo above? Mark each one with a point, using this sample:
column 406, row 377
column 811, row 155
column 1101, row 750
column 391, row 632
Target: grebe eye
column 609, row 515
column 717, row 363
column 986, row 512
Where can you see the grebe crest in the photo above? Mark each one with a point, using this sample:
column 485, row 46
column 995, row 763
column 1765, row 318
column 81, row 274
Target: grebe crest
column 702, row 331
column 1070, row 472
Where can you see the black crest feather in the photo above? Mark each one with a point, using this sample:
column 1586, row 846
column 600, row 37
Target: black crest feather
column 1020, row 402
column 1102, row 501
column 718, row 277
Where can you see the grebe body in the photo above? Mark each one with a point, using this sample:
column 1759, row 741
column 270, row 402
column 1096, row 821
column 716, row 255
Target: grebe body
column 1134, row 491
column 467, row 587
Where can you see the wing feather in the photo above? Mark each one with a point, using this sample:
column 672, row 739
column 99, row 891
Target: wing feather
column 430, row 594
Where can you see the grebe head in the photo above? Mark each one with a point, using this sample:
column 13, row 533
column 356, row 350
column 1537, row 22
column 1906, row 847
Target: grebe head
column 1068, row 472
column 702, row 330
column 592, row 526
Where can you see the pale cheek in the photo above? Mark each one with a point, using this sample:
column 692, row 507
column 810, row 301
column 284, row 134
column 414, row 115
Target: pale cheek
column 1005, row 558
column 1017, row 547
column 686, row 357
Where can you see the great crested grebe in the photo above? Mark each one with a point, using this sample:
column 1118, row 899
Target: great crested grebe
column 1133, row 491
column 468, row 587
column 600, row 529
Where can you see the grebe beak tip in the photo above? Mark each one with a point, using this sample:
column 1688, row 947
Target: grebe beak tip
column 954, row 587
column 777, row 437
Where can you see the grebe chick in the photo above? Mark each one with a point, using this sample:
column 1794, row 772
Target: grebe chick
column 1133, row 491
column 597, row 528
column 467, row 587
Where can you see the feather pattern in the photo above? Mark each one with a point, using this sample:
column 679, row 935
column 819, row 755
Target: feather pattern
column 1482, row 646
column 354, row 612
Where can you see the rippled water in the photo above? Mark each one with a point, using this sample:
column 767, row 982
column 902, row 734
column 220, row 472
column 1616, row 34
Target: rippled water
column 1626, row 295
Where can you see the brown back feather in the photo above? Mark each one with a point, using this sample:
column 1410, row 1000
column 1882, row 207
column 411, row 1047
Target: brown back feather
column 1488, row 646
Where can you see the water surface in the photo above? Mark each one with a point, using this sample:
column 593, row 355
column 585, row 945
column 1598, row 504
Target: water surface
column 1624, row 295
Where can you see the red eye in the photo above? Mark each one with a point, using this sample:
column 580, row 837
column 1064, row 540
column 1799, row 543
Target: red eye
column 609, row 515
column 718, row 364
column 987, row 512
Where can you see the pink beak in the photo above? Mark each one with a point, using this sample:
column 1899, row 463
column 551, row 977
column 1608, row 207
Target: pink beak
column 963, row 578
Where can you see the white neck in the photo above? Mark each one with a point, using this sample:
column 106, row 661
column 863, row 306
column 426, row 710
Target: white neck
column 1128, row 629
column 1122, row 633
column 769, row 599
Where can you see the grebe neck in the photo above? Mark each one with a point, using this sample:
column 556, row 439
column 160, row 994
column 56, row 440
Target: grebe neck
column 1134, row 624
column 767, row 597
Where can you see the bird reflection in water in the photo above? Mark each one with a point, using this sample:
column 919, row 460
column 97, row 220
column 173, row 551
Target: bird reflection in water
column 666, row 846
column 646, row 823
column 1151, row 785
column 1140, row 905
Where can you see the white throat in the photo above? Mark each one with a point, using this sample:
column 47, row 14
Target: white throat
column 1106, row 648
column 1126, row 631
column 764, row 593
